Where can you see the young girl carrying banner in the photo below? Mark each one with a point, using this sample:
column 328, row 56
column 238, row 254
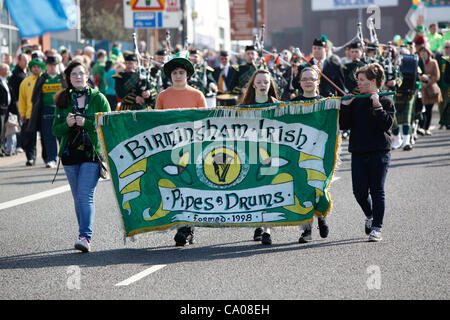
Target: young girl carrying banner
column 309, row 82
column 261, row 89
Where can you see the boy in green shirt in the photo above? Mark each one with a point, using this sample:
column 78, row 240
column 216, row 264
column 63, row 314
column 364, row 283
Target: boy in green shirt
column 48, row 84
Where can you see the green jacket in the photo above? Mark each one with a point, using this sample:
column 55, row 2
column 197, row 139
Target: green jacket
column 97, row 103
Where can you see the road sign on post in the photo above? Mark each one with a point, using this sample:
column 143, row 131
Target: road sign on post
column 154, row 14
column 147, row 5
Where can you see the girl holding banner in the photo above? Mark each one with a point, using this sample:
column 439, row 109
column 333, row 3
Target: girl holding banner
column 80, row 149
column 370, row 121
column 261, row 89
column 309, row 83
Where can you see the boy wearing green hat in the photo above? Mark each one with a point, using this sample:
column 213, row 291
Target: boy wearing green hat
column 179, row 70
column 180, row 96
column 25, row 107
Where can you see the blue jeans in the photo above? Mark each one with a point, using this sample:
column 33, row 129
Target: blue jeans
column 83, row 179
column 369, row 173
column 49, row 140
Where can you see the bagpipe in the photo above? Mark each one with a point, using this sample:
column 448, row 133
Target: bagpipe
column 272, row 62
column 142, row 75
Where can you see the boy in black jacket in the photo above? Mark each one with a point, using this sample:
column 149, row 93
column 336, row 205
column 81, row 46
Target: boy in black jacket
column 370, row 121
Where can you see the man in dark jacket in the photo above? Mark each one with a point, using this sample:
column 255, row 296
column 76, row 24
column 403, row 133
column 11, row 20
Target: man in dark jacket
column 18, row 74
column 330, row 67
column 225, row 75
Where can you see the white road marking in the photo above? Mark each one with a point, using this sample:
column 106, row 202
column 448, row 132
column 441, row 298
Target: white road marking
column 38, row 196
column 141, row 275
column 34, row 197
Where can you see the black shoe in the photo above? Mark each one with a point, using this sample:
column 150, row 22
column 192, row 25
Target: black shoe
column 258, row 234
column 408, row 147
column 305, row 237
column 30, row 163
column 184, row 236
column 323, row 228
column 266, row 239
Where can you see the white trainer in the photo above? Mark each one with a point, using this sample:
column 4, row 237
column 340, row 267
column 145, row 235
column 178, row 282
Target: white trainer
column 375, row 236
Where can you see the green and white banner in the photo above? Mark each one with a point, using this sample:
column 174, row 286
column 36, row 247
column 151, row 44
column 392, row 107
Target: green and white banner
column 222, row 167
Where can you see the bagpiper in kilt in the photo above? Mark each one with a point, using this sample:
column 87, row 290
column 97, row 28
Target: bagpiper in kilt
column 133, row 86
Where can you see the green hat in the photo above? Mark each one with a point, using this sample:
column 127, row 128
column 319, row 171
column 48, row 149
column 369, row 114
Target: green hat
column 181, row 59
column 37, row 61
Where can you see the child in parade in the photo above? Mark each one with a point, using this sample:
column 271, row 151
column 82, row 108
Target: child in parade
column 80, row 148
column 370, row 121
column 309, row 83
column 179, row 69
column 261, row 89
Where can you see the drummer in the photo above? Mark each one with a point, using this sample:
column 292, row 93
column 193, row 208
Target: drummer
column 225, row 75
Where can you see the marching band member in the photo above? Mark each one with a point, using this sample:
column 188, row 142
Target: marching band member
column 157, row 76
column 225, row 75
column 261, row 89
column 404, row 105
column 132, row 88
column 370, row 121
column 202, row 79
column 246, row 70
column 330, row 67
column 356, row 53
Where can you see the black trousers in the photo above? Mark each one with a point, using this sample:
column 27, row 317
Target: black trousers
column 369, row 173
column 28, row 141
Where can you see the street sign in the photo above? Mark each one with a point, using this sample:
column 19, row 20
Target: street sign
column 147, row 19
column 144, row 14
column 147, row 5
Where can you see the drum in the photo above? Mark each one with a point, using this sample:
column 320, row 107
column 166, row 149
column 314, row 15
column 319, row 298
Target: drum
column 227, row 99
column 408, row 68
column 211, row 100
